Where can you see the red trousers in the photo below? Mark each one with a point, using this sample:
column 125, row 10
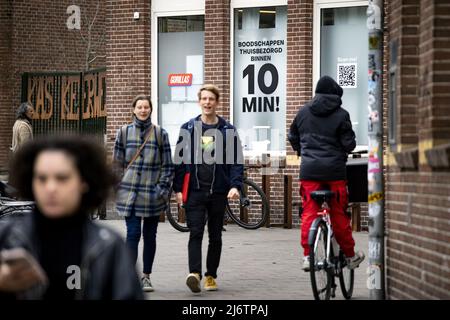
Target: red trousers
column 340, row 221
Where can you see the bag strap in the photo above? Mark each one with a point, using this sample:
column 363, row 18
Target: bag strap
column 158, row 133
column 124, row 132
column 140, row 149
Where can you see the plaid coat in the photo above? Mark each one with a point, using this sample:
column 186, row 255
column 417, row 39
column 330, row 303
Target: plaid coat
column 145, row 185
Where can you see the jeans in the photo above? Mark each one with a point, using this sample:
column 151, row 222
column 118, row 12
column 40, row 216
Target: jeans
column 201, row 208
column 149, row 234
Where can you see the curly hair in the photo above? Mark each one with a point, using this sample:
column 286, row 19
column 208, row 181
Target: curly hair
column 22, row 110
column 89, row 158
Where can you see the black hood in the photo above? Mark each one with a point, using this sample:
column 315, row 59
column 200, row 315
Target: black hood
column 327, row 85
column 325, row 104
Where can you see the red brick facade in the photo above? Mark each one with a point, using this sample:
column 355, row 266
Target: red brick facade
column 6, row 109
column 34, row 37
column 217, row 49
column 39, row 40
column 417, row 187
column 127, row 60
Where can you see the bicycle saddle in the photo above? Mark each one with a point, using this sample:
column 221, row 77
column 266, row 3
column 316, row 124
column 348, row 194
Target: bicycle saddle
column 322, row 195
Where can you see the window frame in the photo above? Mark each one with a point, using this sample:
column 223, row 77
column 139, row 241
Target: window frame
column 163, row 8
column 318, row 6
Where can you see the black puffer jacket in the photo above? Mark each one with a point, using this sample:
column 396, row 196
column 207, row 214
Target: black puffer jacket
column 322, row 135
column 107, row 271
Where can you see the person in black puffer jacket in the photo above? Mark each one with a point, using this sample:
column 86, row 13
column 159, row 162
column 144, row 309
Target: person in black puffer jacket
column 322, row 135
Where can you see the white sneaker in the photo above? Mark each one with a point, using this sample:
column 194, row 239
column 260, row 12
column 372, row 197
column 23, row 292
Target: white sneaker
column 356, row 260
column 305, row 266
column 147, row 285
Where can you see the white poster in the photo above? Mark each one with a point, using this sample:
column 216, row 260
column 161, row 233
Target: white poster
column 259, row 98
column 178, row 93
column 194, row 65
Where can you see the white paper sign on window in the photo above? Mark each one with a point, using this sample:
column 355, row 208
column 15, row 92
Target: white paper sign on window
column 346, row 73
column 260, row 76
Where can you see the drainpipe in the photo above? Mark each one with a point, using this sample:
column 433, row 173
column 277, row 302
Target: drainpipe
column 376, row 269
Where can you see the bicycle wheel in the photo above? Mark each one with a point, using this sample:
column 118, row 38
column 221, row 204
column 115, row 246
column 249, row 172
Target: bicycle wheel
column 320, row 273
column 249, row 213
column 175, row 214
column 13, row 208
column 346, row 277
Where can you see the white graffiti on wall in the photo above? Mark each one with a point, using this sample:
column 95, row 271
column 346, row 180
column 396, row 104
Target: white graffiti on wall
column 373, row 16
column 374, row 250
column 374, row 210
column 374, row 277
column 74, row 20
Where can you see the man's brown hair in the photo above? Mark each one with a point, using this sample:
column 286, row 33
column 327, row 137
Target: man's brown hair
column 211, row 88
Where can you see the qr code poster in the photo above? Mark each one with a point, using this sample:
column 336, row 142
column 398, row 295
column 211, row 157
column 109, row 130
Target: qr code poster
column 346, row 75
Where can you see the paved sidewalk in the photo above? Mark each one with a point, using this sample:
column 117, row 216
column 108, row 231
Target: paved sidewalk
column 261, row 264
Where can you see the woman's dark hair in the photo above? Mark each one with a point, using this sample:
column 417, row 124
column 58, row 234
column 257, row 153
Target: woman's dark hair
column 89, row 158
column 142, row 97
column 22, row 110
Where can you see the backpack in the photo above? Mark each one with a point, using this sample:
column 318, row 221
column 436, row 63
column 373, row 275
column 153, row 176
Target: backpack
column 158, row 133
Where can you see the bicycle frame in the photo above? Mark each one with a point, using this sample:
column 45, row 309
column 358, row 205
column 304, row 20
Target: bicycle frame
column 333, row 263
column 324, row 213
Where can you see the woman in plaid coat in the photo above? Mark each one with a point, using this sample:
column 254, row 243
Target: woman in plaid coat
column 143, row 191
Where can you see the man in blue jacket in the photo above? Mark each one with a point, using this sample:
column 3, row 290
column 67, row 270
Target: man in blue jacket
column 210, row 152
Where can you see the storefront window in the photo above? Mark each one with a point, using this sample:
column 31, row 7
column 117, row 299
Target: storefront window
column 180, row 70
column 259, row 89
column 344, row 56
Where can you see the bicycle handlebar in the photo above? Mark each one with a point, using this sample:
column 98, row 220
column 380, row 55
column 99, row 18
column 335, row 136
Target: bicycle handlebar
column 357, row 154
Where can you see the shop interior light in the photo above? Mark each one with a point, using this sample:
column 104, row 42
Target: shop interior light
column 267, row 11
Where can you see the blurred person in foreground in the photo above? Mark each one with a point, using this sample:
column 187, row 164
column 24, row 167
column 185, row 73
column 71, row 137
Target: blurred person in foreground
column 76, row 259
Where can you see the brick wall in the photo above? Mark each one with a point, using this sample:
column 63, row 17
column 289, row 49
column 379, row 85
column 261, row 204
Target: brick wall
column 127, row 52
column 40, row 41
column 6, row 114
column 217, row 50
column 127, row 60
column 299, row 77
column 417, row 198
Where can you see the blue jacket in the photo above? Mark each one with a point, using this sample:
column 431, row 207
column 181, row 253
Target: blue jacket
column 228, row 174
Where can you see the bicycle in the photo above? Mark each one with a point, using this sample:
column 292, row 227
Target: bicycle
column 9, row 205
column 244, row 211
column 327, row 261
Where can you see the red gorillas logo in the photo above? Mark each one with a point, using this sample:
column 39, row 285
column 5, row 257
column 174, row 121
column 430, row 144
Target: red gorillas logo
column 180, row 79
